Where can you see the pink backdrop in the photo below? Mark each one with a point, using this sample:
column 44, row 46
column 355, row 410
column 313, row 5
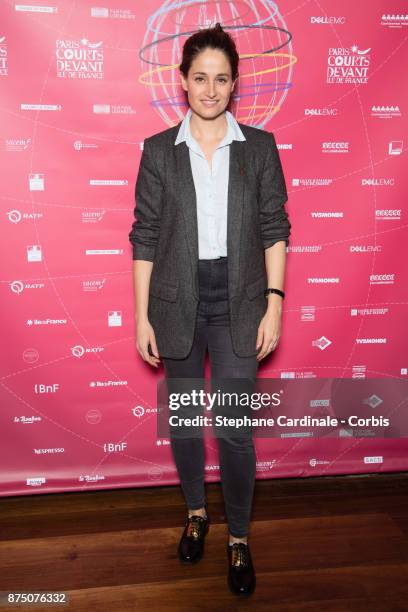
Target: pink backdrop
column 82, row 86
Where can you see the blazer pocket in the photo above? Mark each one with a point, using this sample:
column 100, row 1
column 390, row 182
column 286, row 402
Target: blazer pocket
column 164, row 290
column 255, row 288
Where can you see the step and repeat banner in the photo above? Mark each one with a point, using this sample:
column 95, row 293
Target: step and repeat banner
column 82, row 85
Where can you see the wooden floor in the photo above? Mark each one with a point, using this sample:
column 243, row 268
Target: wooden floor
column 325, row 543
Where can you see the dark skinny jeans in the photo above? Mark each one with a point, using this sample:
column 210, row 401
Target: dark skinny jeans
column 236, row 454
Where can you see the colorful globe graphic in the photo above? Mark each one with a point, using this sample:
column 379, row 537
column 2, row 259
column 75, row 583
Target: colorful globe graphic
column 264, row 46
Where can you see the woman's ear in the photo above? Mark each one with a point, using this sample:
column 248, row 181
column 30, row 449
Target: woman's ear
column 183, row 81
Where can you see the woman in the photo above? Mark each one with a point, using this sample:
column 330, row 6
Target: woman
column 209, row 248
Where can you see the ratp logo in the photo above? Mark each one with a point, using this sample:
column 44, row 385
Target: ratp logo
column 79, row 351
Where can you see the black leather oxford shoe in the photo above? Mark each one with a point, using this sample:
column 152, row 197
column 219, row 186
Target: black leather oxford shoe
column 191, row 546
column 241, row 573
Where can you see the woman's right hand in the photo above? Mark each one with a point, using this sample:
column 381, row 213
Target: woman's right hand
column 144, row 336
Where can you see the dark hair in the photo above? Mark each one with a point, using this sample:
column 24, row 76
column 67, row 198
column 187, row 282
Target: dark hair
column 214, row 38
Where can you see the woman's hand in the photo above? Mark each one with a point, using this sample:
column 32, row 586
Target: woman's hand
column 144, row 336
column 269, row 330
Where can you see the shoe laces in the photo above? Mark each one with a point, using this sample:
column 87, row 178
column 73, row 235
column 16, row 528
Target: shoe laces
column 195, row 526
column 240, row 555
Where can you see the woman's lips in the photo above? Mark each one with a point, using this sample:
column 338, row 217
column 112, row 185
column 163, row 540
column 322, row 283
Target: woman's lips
column 209, row 102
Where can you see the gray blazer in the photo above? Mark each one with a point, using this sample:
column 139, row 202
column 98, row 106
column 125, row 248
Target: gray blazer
column 165, row 232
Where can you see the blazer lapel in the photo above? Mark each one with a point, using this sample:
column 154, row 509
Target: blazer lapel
column 235, row 207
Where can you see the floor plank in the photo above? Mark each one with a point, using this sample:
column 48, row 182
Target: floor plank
column 328, row 543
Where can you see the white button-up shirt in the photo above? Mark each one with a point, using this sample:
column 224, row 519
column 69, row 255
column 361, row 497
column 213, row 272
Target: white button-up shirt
column 211, row 186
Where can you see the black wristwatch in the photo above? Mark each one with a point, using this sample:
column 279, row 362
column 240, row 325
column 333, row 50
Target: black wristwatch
column 271, row 290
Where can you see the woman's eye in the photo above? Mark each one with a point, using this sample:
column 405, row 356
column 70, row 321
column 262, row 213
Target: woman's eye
column 220, row 80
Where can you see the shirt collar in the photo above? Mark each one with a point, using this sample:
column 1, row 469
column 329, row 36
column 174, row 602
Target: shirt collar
column 234, row 132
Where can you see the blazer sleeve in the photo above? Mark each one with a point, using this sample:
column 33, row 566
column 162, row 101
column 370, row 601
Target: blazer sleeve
column 149, row 201
column 275, row 225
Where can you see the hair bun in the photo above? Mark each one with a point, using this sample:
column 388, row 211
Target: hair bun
column 214, row 37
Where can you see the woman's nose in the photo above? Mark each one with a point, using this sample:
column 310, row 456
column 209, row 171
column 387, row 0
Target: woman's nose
column 211, row 90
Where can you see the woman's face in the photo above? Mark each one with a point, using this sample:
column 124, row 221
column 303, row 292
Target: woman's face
column 209, row 83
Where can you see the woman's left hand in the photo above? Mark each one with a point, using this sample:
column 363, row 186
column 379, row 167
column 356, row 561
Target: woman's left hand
column 269, row 331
